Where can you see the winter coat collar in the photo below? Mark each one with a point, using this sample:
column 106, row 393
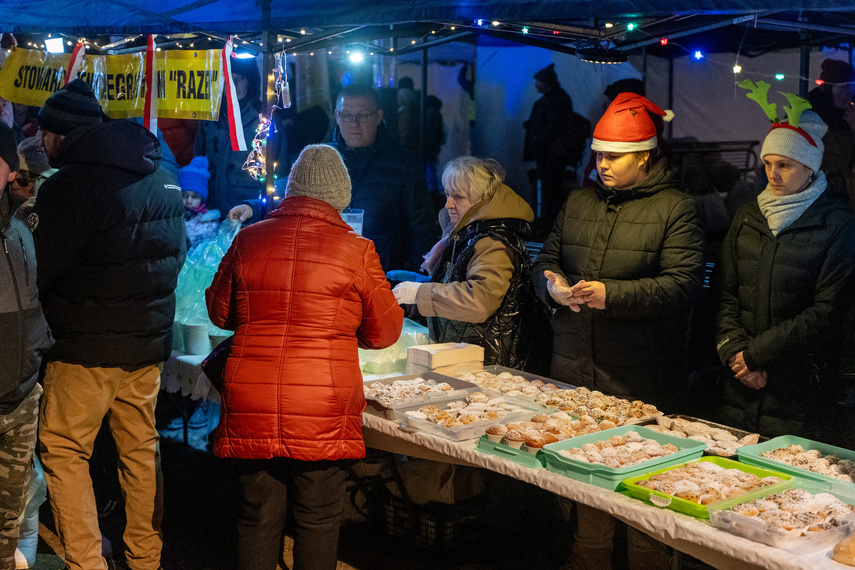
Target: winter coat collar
column 108, row 144
column 661, row 177
column 308, row 207
column 505, row 203
column 8, row 205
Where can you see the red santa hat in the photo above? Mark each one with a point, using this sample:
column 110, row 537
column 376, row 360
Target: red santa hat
column 626, row 125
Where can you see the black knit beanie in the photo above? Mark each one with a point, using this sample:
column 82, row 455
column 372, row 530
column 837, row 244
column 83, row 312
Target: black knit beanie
column 9, row 148
column 73, row 106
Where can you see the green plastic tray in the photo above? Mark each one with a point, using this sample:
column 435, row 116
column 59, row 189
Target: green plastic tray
column 520, row 456
column 610, row 477
column 751, row 454
column 694, row 509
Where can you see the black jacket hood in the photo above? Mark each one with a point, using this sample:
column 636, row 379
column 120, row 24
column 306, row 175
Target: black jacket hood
column 107, row 144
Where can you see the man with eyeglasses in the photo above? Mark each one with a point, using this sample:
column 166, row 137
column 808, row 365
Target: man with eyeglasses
column 388, row 181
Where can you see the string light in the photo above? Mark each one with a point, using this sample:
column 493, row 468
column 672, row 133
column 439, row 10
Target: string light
column 779, row 76
column 525, row 30
column 737, row 68
column 663, row 42
column 495, row 23
column 609, row 25
column 630, row 26
column 820, row 82
column 698, row 54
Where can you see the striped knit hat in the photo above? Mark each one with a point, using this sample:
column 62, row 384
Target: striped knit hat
column 73, row 106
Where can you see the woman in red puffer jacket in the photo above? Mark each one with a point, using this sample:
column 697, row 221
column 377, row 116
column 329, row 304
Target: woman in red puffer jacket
column 302, row 291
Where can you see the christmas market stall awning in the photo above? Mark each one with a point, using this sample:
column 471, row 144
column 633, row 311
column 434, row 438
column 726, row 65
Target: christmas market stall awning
column 564, row 25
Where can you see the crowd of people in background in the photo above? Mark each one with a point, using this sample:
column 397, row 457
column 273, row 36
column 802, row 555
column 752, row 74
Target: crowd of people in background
column 97, row 217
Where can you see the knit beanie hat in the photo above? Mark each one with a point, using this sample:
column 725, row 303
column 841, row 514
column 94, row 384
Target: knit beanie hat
column 194, row 177
column 626, row 125
column 73, row 106
column 802, row 143
column 320, row 173
column 8, row 149
column 32, row 156
column 547, row 75
column 835, row 71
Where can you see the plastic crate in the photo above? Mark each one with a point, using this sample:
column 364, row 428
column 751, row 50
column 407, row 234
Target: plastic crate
column 610, row 477
column 435, row 525
column 751, row 454
column 694, row 509
column 519, row 456
column 755, row 529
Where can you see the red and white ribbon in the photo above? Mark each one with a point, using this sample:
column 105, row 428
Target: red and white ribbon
column 235, row 122
column 75, row 63
column 151, row 88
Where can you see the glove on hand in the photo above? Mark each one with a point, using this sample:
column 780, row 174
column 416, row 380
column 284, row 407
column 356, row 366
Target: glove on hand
column 406, row 292
column 401, row 275
column 561, row 291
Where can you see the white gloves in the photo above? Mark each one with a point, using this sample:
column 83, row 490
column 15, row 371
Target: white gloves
column 406, row 292
column 561, row 291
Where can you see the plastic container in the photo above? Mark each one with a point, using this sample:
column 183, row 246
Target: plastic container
column 387, row 408
column 755, row 529
column 751, row 454
column 495, row 369
column 196, row 339
column 610, row 477
column 463, row 432
column 736, row 432
column 353, row 218
column 694, row 509
column 434, row 525
column 519, row 456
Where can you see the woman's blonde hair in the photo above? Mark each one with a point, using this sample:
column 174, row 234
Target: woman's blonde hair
column 479, row 178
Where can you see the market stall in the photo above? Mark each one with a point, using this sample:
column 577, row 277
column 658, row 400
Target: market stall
column 684, row 533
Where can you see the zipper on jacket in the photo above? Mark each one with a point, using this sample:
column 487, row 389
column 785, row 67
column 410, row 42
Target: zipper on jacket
column 26, row 263
column 12, row 272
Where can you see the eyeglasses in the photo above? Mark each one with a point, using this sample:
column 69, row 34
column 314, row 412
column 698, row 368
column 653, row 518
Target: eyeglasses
column 358, row 117
column 27, row 180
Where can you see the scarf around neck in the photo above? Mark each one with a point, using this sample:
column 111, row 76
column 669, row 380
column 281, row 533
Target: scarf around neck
column 781, row 211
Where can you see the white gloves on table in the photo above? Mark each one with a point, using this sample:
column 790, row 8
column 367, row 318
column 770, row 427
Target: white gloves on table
column 406, row 292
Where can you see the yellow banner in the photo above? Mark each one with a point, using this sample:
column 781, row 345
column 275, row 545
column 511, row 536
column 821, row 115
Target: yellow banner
column 189, row 82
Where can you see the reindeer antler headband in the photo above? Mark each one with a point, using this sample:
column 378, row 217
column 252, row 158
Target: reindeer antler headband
column 759, row 92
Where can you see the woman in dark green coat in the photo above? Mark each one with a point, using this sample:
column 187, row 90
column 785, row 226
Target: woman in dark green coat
column 787, row 278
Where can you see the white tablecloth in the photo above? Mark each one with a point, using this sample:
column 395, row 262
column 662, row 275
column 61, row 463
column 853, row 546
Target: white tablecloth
column 183, row 373
column 686, row 534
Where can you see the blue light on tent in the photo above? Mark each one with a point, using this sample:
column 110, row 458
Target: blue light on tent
column 699, row 54
column 779, row 76
column 525, row 30
column 479, row 22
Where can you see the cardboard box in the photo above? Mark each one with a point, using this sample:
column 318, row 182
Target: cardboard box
column 433, row 356
column 453, row 370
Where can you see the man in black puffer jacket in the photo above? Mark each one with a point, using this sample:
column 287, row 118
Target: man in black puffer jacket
column 109, row 236
column 388, row 182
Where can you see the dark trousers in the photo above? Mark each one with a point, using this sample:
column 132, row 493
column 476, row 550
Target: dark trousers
column 315, row 490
